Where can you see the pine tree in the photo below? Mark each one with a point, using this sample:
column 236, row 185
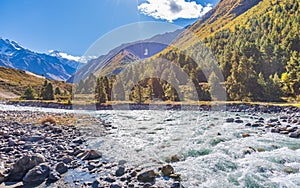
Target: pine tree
column 80, row 86
column 137, row 94
column 48, row 93
column 29, row 93
column 216, row 90
column 57, row 91
column 118, row 90
column 100, row 93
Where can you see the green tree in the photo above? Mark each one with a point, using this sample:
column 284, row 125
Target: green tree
column 48, row 93
column 137, row 94
column 29, row 93
column 291, row 78
column 100, row 93
column 118, row 90
column 216, row 90
column 57, row 91
column 79, row 87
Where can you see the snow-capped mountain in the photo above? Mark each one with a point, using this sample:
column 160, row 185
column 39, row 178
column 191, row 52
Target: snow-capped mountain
column 72, row 61
column 54, row 67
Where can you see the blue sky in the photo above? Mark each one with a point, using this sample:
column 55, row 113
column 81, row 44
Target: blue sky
column 73, row 25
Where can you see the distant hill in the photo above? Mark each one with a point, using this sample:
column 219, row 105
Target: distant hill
column 14, row 82
column 129, row 52
column 53, row 67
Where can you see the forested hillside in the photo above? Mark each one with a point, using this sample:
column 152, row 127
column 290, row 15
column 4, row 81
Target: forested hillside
column 260, row 56
column 258, row 53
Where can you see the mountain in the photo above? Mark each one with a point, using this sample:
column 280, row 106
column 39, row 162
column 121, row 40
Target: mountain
column 256, row 44
column 66, row 59
column 130, row 52
column 53, row 67
column 223, row 13
column 14, row 82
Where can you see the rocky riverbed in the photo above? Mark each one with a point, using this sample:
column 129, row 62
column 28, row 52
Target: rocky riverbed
column 54, row 149
column 286, row 122
column 41, row 153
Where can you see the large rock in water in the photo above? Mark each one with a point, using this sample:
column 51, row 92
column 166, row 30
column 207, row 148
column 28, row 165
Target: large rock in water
column 37, row 175
column 90, row 155
column 23, row 165
column 167, row 170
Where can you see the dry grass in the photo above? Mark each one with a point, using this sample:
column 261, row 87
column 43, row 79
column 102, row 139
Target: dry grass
column 49, row 119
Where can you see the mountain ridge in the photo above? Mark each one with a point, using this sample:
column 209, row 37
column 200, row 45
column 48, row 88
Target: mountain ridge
column 13, row 55
column 154, row 45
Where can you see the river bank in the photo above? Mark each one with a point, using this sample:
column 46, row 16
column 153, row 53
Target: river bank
column 42, row 152
column 205, row 105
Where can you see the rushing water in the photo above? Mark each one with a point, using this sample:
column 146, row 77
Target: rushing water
column 212, row 152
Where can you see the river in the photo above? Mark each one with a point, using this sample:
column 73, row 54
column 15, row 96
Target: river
column 212, row 153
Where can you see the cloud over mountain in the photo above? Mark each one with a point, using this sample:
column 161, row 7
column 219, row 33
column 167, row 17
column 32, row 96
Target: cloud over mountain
column 171, row 10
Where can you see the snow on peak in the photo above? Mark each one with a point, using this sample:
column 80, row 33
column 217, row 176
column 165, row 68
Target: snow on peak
column 59, row 54
column 56, row 53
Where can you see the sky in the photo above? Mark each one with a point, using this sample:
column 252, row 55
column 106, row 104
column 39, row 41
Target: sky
column 72, row 26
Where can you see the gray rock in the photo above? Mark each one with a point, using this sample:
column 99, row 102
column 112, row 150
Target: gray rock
column 109, row 179
column 78, row 141
column 95, row 184
column 147, row 185
column 115, row 186
column 61, row 168
column 120, row 171
column 176, row 185
column 148, row 176
column 54, row 176
column 167, row 170
column 90, row 155
column 249, row 150
column 230, row 120
column 37, row 175
column 66, row 160
column 23, row 165
column 293, row 135
column 11, row 142
column 34, row 138
column 239, row 121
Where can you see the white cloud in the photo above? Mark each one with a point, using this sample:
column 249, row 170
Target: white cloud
column 171, row 10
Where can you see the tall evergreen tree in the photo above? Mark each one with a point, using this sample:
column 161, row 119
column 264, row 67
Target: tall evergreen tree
column 29, row 93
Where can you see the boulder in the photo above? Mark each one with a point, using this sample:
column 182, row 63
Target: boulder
column 120, row 171
column 293, row 135
column 61, row 168
column 115, row 186
column 239, row 121
column 53, row 176
column 249, row 150
column 148, row 176
column 37, row 174
column 230, row 120
column 23, row 165
column 90, row 155
column 167, row 170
